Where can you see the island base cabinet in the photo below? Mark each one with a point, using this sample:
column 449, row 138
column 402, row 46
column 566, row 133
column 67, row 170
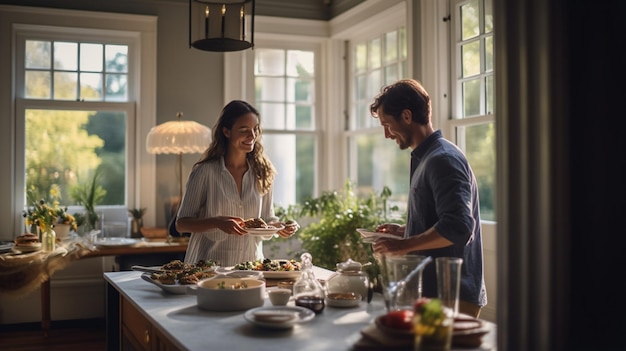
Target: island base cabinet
column 137, row 333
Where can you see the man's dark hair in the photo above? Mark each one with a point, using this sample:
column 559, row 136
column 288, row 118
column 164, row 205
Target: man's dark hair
column 404, row 94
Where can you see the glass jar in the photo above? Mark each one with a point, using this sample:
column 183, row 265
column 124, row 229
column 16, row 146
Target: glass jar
column 307, row 290
column 48, row 239
column 349, row 278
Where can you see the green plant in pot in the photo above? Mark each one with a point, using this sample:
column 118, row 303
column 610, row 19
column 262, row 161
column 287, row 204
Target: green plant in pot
column 88, row 194
column 333, row 218
column 137, row 222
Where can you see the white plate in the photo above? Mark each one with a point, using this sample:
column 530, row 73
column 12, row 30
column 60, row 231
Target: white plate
column 266, row 274
column 368, row 234
column 342, row 303
column 281, row 274
column 282, row 315
column 263, row 231
column 26, row 249
column 115, row 242
column 170, row 288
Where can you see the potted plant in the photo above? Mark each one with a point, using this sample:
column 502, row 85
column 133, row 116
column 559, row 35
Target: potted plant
column 333, row 218
column 137, row 222
column 88, row 194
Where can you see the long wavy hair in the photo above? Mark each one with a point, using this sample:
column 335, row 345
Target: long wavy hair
column 263, row 169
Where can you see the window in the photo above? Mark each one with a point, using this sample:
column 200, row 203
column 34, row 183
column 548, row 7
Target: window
column 374, row 63
column 77, row 97
column 472, row 120
column 66, row 146
column 285, row 94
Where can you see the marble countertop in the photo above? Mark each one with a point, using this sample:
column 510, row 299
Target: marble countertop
column 191, row 328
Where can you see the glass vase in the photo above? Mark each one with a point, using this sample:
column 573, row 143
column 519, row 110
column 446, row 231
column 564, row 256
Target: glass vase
column 48, row 239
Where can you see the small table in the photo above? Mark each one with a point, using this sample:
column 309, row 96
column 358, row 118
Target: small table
column 39, row 266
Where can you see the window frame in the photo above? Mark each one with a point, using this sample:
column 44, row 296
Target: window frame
column 316, row 130
column 456, row 119
column 140, row 32
column 392, row 19
column 308, row 35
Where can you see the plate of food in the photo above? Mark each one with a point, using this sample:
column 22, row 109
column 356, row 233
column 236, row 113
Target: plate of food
column 257, row 226
column 278, row 317
column 25, row 243
column 174, row 276
column 272, row 269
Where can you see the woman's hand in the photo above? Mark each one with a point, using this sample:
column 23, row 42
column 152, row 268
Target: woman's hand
column 231, row 225
column 291, row 227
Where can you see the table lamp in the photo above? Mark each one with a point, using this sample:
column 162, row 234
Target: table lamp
column 178, row 137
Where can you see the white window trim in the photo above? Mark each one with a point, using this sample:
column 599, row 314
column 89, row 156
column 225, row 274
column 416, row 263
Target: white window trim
column 306, row 35
column 15, row 18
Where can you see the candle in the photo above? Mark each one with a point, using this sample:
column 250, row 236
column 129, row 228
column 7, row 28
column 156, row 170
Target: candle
column 243, row 24
column 206, row 22
column 223, row 13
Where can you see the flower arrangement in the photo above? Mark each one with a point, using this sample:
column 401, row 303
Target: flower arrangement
column 45, row 215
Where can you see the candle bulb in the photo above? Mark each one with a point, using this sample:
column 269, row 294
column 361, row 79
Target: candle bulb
column 206, row 22
column 223, row 13
column 243, row 24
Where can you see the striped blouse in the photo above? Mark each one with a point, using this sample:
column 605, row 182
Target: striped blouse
column 211, row 191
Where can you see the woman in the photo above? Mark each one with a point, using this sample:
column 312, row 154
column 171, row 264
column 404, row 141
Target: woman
column 232, row 181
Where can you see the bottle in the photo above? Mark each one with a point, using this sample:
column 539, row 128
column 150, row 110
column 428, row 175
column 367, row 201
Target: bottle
column 349, row 278
column 307, row 290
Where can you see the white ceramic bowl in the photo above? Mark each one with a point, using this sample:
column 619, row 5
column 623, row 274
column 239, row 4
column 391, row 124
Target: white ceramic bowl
column 279, row 297
column 232, row 297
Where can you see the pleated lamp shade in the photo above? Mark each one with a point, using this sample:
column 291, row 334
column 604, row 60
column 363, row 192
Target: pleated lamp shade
column 178, row 137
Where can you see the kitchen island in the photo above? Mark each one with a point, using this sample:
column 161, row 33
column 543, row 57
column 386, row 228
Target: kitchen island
column 141, row 316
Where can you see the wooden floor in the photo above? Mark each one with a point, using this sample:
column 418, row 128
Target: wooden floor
column 76, row 335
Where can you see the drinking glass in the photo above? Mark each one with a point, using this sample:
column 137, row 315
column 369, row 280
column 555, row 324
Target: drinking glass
column 449, row 281
column 393, row 270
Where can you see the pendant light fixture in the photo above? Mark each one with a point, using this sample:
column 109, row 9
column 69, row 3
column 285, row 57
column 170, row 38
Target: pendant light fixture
column 221, row 26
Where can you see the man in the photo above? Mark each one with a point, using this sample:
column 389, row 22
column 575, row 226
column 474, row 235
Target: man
column 443, row 207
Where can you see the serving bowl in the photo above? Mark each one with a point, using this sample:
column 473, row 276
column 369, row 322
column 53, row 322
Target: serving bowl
column 224, row 293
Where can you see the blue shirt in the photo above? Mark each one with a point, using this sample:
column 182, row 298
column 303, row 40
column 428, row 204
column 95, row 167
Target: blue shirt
column 444, row 194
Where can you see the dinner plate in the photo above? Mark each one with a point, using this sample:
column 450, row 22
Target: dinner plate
column 278, row 317
column 115, row 242
column 26, row 249
column 373, row 235
column 170, row 288
column 266, row 274
column 281, row 274
column 264, row 231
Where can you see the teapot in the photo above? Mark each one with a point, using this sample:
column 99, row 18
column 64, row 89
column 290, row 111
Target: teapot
column 348, row 278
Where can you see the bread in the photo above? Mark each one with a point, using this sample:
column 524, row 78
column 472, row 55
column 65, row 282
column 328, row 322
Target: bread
column 27, row 239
